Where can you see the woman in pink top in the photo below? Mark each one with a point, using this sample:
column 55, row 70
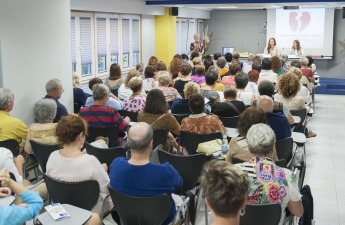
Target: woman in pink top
column 136, row 102
column 169, row 93
column 200, row 77
column 230, row 80
column 70, row 164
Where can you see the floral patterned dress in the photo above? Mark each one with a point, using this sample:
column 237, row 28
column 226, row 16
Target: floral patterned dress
column 134, row 104
column 270, row 183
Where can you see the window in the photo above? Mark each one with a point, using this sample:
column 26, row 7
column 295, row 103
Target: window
column 86, row 46
column 101, row 45
column 114, row 40
column 178, row 37
column 73, row 45
column 191, row 32
column 136, row 41
column 181, row 36
column 125, row 43
column 201, row 29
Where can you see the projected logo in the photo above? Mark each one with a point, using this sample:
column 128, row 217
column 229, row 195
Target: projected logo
column 299, row 23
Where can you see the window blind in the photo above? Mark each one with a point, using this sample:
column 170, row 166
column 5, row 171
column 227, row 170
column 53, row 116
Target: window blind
column 178, row 44
column 73, row 45
column 136, row 35
column 85, row 40
column 101, row 37
column 183, row 37
column 201, row 30
column 114, row 36
column 125, row 36
column 191, row 32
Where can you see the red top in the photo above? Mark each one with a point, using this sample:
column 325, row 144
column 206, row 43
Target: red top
column 307, row 73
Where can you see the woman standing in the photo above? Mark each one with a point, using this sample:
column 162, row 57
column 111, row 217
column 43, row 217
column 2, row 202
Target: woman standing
column 296, row 49
column 197, row 46
column 272, row 48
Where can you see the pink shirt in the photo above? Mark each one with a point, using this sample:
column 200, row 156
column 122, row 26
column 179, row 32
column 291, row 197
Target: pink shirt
column 134, row 104
column 229, row 80
column 198, row 79
column 170, row 93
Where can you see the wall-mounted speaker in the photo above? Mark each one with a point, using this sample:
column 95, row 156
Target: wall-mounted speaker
column 174, row 11
column 343, row 12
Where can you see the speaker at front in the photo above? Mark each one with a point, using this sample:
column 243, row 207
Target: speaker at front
column 343, row 12
column 174, row 11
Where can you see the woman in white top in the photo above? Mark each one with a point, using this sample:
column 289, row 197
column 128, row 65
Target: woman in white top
column 124, row 91
column 296, row 49
column 272, row 48
column 241, row 80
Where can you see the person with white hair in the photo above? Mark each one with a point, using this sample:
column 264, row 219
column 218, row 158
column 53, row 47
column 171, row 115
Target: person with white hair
column 54, row 91
column 197, row 45
column 10, row 128
column 79, row 96
column 268, row 182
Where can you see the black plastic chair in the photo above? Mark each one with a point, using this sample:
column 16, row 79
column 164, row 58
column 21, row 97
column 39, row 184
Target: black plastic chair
column 170, row 104
column 302, row 114
column 76, row 108
column 112, row 133
column 106, row 155
column 236, row 161
column 284, row 148
column 159, row 137
column 180, row 117
column 141, row 210
column 42, row 152
column 115, row 92
column 11, row 145
column 230, row 122
column 281, row 163
column 133, row 116
column 189, row 168
column 261, row 214
column 191, row 141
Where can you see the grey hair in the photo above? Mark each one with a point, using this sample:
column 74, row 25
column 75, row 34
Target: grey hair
column 99, row 91
column 45, row 110
column 230, row 92
column 304, row 61
column 139, row 141
column 163, row 78
column 261, row 139
column 221, row 63
column 285, row 57
column 6, row 97
column 241, row 80
column 250, row 56
column 196, row 35
column 213, row 68
column 265, row 107
column 140, row 67
column 52, row 84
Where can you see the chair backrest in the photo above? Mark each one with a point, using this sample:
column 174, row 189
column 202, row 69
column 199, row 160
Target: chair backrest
column 105, row 155
column 236, row 161
column 42, row 152
column 284, row 148
column 83, row 194
column 230, row 121
column 302, row 114
column 170, row 103
column 281, row 163
column 141, row 210
column 261, row 214
column 180, row 117
column 112, row 133
column 159, row 137
column 132, row 115
column 115, row 92
column 191, row 141
column 11, row 145
column 76, row 108
column 189, row 168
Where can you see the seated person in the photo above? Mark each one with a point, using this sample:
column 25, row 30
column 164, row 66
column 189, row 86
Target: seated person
column 304, row 79
column 230, row 107
column 135, row 102
column 238, row 147
column 156, row 114
column 221, row 62
column 124, row 91
column 200, row 76
column 196, row 61
column 99, row 115
column 170, row 93
column 161, row 66
column 277, row 121
column 277, row 65
column 185, row 59
column 211, row 78
column 307, row 72
column 180, row 105
column 113, row 101
column 266, row 72
column 218, row 85
column 10, row 128
column 70, row 164
column 207, row 63
column 140, row 67
column 257, row 66
column 261, row 143
column 138, row 176
column 79, row 97
column 234, row 68
column 236, row 59
column 54, row 91
column 199, row 122
column 114, row 79
column 241, row 80
column 217, row 178
column 184, row 75
column 228, row 58
column 252, row 83
column 303, row 91
column 150, row 79
column 216, row 56
column 44, row 130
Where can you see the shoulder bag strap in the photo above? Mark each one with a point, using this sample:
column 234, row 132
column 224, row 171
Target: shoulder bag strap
column 234, row 107
column 157, row 119
column 94, row 116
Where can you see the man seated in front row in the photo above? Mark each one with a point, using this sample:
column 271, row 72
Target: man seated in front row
column 137, row 176
column 54, row 91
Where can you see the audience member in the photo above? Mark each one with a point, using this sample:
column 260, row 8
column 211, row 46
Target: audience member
column 170, row 93
column 54, row 91
column 241, row 80
column 10, row 128
column 70, row 164
column 150, row 79
column 140, row 67
column 207, row 91
column 282, row 187
column 152, row 61
column 208, row 63
column 221, row 64
column 236, row 58
column 228, row 58
column 194, row 55
column 79, row 97
column 216, row 56
column 307, row 72
column 252, row 86
column 250, row 58
column 303, row 92
column 257, row 66
column 196, row 61
column 161, row 66
column 304, row 79
column 217, row 178
column 230, row 107
column 218, row 85
column 185, row 59
column 234, row 68
column 114, row 80
column 266, row 72
column 286, row 59
column 135, row 102
column 180, row 105
column 185, row 77
column 200, row 76
column 207, row 56
column 257, row 58
column 175, row 66
column 311, row 65
column 124, row 90
column 277, row 65
column 178, row 56
column 138, row 176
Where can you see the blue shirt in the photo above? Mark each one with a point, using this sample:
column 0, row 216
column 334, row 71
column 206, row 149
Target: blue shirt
column 113, row 103
column 146, row 180
column 60, row 111
column 16, row 215
column 279, row 124
column 180, row 106
column 79, row 96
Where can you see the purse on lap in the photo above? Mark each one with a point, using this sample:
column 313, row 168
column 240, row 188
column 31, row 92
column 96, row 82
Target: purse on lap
column 210, row 146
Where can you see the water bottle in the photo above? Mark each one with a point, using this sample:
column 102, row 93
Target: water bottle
column 225, row 144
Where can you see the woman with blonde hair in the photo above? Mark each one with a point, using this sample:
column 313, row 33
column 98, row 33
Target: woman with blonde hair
column 180, row 105
column 170, row 93
column 124, row 90
column 195, row 61
column 79, row 96
column 135, row 102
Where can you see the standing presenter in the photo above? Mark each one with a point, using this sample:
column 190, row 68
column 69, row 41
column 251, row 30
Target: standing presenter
column 197, row 46
column 296, row 49
column 272, row 48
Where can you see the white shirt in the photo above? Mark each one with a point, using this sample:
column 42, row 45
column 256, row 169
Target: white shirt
column 304, row 93
column 245, row 97
column 267, row 75
column 299, row 53
column 252, row 88
column 124, row 92
column 275, row 51
column 247, row 68
column 147, row 84
column 6, row 161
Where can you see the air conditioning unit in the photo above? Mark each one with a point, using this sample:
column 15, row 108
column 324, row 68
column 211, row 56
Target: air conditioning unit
column 291, row 7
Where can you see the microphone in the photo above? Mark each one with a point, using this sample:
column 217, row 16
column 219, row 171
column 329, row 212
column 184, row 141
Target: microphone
column 281, row 52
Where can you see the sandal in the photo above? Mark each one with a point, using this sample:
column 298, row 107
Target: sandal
column 311, row 134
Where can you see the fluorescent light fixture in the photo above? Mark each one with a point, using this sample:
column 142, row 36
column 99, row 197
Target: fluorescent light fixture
column 311, row 6
column 227, row 7
column 178, row 5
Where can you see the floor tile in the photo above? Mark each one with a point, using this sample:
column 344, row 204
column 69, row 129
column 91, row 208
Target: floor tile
column 326, row 222
column 326, row 211
column 328, row 197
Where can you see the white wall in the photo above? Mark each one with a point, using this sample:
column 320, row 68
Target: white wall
column 35, row 47
column 193, row 13
column 118, row 6
column 148, row 37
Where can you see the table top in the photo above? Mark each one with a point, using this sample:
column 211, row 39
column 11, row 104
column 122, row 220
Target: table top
column 296, row 119
column 316, row 76
column 7, row 201
column 78, row 216
column 298, row 137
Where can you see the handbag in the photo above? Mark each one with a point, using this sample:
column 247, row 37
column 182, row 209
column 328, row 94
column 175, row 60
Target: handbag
column 234, row 107
column 210, row 146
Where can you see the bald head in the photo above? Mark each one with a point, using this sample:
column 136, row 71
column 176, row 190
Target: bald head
column 265, row 103
column 140, row 136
